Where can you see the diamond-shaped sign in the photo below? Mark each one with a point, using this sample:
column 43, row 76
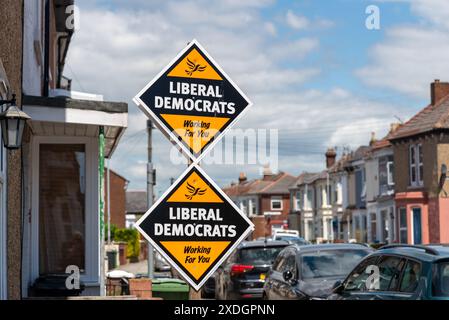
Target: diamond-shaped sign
column 193, row 101
column 195, row 226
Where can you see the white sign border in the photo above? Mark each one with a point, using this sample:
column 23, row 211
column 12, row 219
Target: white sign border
column 162, row 252
column 174, row 138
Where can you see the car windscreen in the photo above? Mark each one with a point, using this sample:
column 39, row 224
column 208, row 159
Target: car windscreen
column 292, row 239
column 329, row 263
column 259, row 255
column 440, row 286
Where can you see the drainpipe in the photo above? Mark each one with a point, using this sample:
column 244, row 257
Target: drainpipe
column 47, row 50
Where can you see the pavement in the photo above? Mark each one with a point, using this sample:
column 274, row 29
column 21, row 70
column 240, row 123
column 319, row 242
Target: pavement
column 141, row 267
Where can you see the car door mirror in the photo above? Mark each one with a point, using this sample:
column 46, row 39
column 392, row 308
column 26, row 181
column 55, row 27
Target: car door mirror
column 287, row 275
column 338, row 287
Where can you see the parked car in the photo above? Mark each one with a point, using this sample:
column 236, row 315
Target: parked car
column 242, row 276
column 398, row 272
column 285, row 232
column 292, row 239
column 310, row 271
column 208, row 290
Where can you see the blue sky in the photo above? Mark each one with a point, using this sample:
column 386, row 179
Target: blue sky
column 312, row 69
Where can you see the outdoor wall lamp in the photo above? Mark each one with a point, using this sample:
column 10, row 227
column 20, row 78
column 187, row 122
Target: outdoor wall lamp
column 12, row 122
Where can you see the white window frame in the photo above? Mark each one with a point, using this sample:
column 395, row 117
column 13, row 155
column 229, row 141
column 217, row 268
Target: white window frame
column 297, row 202
column 91, row 276
column 415, row 150
column 390, row 177
column 253, row 211
column 276, row 199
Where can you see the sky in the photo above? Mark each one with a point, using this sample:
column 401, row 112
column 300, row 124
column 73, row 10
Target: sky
column 312, row 68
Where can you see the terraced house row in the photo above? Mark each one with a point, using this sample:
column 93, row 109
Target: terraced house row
column 393, row 190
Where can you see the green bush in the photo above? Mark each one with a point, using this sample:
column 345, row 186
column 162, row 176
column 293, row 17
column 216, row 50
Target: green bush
column 113, row 229
column 131, row 237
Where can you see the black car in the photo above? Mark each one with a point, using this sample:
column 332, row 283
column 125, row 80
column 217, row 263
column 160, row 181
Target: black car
column 208, row 290
column 310, row 271
column 398, row 272
column 242, row 276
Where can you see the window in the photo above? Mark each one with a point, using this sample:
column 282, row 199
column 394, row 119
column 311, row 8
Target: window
column 416, row 165
column 276, row 203
column 410, row 278
column 440, row 281
column 290, row 264
column 403, row 225
column 244, row 206
column 310, row 230
column 298, row 201
column 329, row 263
column 390, row 173
column 279, row 262
column 309, row 198
column 336, row 188
column 389, row 271
column 373, row 217
column 259, row 255
column 62, row 197
column 253, row 207
column 357, row 279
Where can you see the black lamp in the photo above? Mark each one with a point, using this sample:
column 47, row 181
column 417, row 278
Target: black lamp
column 12, row 122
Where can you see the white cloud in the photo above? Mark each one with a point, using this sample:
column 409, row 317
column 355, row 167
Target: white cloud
column 412, row 56
column 296, row 21
column 271, row 28
column 117, row 52
column 297, row 49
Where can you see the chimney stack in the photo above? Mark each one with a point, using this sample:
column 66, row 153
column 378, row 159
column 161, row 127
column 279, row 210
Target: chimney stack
column 331, row 155
column 373, row 139
column 242, row 177
column 438, row 90
column 394, row 127
column 267, row 173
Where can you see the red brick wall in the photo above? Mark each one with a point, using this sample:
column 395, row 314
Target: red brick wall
column 118, row 199
column 259, row 224
column 266, row 206
column 434, row 221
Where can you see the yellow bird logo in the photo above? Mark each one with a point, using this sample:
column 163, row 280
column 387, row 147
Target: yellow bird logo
column 192, row 191
column 194, row 67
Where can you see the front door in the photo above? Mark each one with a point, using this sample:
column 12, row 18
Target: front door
column 65, row 207
column 417, row 226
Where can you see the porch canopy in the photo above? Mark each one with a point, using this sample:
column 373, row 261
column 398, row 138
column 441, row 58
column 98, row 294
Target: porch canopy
column 61, row 116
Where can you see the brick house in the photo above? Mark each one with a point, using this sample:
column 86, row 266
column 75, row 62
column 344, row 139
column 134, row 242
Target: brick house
column 117, row 194
column 266, row 201
column 136, row 206
column 421, row 190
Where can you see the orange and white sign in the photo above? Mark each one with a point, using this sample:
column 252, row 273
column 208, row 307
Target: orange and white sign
column 195, row 226
column 193, row 101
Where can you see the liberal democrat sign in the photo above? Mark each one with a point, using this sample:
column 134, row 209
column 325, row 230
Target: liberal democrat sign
column 195, row 226
column 193, row 101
